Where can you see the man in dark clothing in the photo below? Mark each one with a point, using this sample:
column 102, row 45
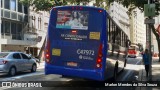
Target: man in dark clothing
column 146, row 61
column 128, row 43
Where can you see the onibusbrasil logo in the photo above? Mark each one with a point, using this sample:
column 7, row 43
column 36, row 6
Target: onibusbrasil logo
column 21, row 84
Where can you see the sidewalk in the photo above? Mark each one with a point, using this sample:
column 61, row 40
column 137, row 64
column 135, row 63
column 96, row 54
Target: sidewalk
column 155, row 75
column 41, row 65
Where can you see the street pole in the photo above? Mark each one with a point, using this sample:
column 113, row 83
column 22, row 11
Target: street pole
column 149, row 48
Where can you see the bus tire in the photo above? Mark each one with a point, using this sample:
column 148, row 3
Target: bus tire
column 125, row 62
column 115, row 72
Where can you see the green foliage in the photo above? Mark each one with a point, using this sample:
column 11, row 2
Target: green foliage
column 131, row 4
column 43, row 5
column 46, row 5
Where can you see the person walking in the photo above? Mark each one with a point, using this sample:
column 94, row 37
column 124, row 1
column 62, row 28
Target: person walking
column 146, row 61
column 128, row 43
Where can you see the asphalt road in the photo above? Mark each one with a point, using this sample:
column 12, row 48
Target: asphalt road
column 130, row 73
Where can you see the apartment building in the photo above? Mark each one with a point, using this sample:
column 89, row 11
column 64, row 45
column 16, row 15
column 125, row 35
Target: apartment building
column 137, row 28
column 22, row 29
column 13, row 22
column 38, row 25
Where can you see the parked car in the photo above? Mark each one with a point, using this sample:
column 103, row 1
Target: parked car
column 13, row 62
column 35, row 58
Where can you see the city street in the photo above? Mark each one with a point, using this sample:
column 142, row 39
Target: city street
column 130, row 73
column 79, row 44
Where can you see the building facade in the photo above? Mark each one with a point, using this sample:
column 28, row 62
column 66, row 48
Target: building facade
column 137, row 28
column 13, row 22
column 38, row 25
column 22, row 29
column 119, row 14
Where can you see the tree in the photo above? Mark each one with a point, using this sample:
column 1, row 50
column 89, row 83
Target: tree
column 46, row 5
column 132, row 4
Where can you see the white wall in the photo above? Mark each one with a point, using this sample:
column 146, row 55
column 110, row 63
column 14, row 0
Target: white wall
column 41, row 28
column 119, row 15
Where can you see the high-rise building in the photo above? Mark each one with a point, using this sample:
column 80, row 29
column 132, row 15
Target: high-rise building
column 137, row 28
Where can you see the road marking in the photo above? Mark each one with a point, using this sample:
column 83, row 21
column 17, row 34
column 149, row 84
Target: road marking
column 129, row 71
column 21, row 76
column 3, row 88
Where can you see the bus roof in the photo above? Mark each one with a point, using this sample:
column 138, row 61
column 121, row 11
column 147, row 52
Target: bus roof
column 88, row 7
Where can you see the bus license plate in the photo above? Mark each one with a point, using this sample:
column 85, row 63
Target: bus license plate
column 72, row 64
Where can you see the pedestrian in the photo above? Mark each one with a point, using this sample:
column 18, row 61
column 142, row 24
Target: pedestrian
column 128, row 43
column 146, row 61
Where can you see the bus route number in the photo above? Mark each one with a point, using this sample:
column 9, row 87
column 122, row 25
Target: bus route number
column 85, row 52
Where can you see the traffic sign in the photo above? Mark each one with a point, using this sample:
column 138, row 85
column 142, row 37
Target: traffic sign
column 149, row 21
column 149, row 10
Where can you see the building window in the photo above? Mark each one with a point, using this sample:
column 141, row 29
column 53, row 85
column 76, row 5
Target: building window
column 19, row 7
column 2, row 12
column 6, row 4
column 20, row 17
column 2, row 30
column 13, row 15
column 13, row 30
column 19, row 31
column 7, row 28
column 13, row 5
column 6, row 13
column 39, row 23
column 1, row 3
column 25, row 9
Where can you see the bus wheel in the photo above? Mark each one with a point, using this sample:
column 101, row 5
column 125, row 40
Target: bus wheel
column 115, row 73
column 125, row 62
